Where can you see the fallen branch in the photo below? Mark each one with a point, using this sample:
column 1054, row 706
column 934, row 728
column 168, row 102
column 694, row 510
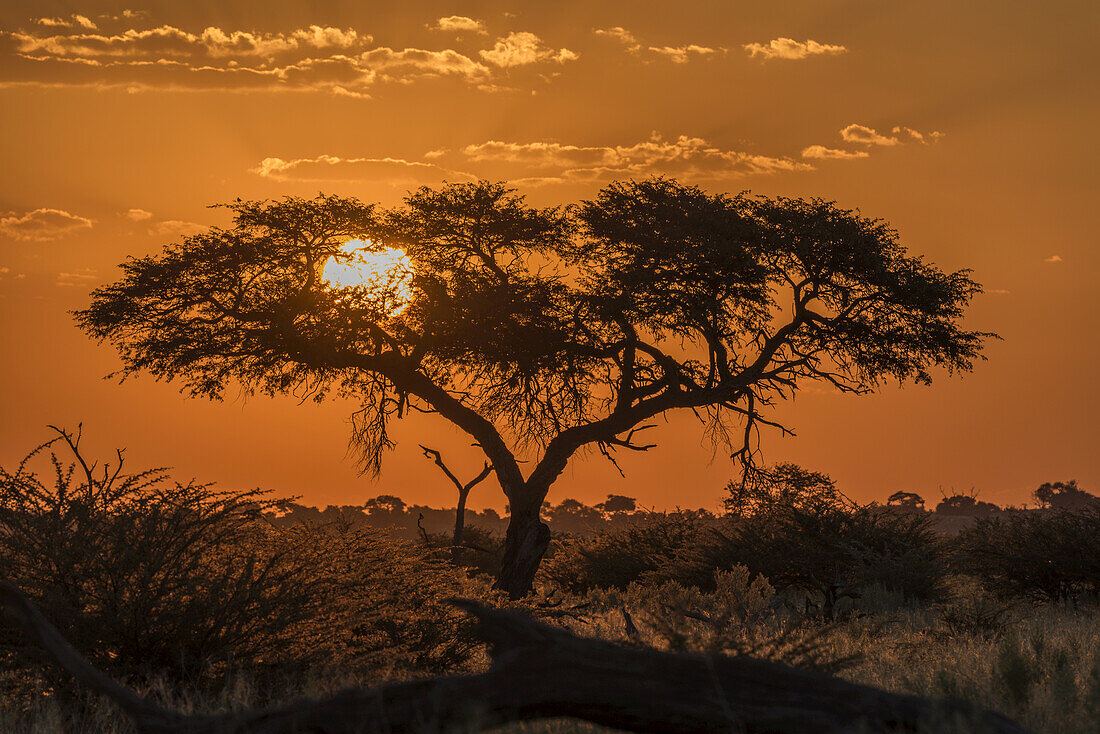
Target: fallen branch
column 540, row 672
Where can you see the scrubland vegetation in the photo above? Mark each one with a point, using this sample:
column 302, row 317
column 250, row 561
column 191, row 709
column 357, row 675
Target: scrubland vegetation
column 212, row 600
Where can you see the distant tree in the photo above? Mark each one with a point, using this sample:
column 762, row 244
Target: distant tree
column 618, row 503
column 966, row 505
column 573, row 516
column 906, row 501
column 1065, row 496
column 540, row 332
column 784, row 486
column 385, row 504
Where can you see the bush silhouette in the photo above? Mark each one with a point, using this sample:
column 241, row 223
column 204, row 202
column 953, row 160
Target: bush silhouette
column 1045, row 556
column 146, row 575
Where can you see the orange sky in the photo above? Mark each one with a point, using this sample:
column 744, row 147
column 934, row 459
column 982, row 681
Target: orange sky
column 971, row 127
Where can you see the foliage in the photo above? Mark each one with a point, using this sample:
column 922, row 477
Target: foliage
column 1046, row 555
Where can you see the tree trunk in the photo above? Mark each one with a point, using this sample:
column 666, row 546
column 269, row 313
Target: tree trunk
column 525, row 543
column 460, row 524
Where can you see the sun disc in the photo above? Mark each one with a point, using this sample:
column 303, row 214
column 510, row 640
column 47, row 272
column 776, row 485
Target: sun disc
column 385, row 272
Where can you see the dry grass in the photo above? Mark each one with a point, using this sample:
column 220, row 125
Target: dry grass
column 1039, row 665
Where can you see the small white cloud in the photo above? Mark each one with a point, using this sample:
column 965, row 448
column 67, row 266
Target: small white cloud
column 865, row 135
column 69, row 280
column 73, row 21
column 622, row 35
column 999, row 291
column 41, row 225
column 822, row 153
column 1053, row 259
column 520, row 49
column 459, row 23
column 138, row 215
column 177, row 227
column 681, row 54
column 790, row 49
column 899, row 134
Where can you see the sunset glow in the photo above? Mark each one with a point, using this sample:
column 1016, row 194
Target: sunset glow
column 978, row 147
column 383, row 272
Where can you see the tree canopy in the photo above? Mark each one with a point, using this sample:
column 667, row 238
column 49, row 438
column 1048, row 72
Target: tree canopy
column 539, row 331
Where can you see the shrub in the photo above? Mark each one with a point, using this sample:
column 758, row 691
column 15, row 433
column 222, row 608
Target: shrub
column 1039, row 555
column 155, row 579
column 385, row 604
column 146, row 575
column 649, row 550
column 825, row 547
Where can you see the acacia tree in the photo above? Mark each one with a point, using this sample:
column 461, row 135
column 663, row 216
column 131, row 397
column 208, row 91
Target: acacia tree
column 540, row 332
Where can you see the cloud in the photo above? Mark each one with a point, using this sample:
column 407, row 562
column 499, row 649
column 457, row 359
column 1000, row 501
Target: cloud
column 395, row 171
column 1053, row 259
column 868, row 136
column 681, row 54
column 328, row 59
column 899, row 134
column 790, row 49
column 621, row 35
column 999, row 291
column 677, row 54
column 413, row 62
column 520, row 49
column 73, row 21
column 41, row 225
column 689, row 157
column 459, row 23
column 823, row 153
column 138, row 215
column 170, row 42
column 69, row 280
column 177, row 227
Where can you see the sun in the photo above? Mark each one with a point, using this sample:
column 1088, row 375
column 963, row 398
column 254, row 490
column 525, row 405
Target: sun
column 386, row 273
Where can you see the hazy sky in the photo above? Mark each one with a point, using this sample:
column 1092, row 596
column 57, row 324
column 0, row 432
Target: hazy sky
column 971, row 127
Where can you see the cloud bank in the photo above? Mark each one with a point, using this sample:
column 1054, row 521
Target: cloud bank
column 396, row 171
column 42, row 225
column 327, row 59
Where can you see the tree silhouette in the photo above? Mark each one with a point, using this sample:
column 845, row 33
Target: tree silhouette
column 618, row 503
column 966, row 505
column 906, row 501
column 1065, row 496
column 543, row 331
column 785, row 486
